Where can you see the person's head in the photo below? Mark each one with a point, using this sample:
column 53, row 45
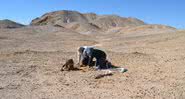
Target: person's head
column 81, row 49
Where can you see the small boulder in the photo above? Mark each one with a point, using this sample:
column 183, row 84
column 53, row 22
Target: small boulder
column 69, row 65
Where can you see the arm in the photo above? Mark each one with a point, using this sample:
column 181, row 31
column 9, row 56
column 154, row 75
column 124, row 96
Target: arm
column 90, row 55
column 79, row 55
column 80, row 59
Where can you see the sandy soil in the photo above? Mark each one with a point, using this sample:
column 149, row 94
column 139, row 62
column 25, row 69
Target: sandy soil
column 31, row 59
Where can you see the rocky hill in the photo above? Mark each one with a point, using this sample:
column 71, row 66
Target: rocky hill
column 90, row 19
column 91, row 23
column 9, row 24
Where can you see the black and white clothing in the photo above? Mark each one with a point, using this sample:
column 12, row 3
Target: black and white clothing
column 87, row 53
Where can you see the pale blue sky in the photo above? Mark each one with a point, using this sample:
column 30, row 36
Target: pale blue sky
column 168, row 12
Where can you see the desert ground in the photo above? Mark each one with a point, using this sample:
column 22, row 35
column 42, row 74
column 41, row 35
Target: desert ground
column 31, row 59
column 32, row 56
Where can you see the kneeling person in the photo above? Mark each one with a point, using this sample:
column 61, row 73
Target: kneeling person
column 86, row 55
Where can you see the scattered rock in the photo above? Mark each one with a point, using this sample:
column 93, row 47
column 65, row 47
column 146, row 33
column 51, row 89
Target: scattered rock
column 69, row 65
column 102, row 75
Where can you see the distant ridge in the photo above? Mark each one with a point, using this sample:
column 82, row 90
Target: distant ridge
column 9, row 24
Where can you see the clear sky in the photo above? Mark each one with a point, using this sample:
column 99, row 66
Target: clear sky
column 168, row 12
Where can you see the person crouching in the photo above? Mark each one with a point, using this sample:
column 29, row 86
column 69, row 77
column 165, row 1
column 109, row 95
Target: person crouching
column 86, row 55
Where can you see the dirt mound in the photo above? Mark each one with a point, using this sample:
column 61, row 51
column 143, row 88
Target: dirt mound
column 90, row 19
column 9, row 24
column 69, row 65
